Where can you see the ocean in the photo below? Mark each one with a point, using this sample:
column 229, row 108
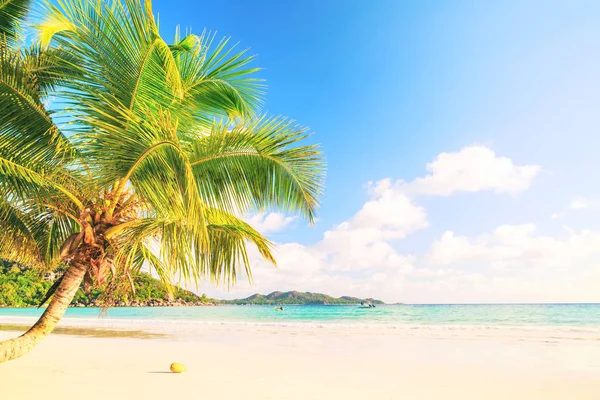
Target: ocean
column 558, row 321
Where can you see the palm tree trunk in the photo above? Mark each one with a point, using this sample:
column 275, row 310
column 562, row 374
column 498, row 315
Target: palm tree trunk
column 17, row 347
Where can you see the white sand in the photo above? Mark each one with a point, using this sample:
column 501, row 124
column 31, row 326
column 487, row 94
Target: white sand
column 240, row 362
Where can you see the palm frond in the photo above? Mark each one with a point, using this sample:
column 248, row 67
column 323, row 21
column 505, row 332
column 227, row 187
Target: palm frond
column 228, row 254
column 171, row 248
column 27, row 131
column 151, row 161
column 17, row 239
column 24, row 182
column 32, row 233
column 217, row 79
column 259, row 165
column 119, row 41
column 139, row 171
column 12, row 15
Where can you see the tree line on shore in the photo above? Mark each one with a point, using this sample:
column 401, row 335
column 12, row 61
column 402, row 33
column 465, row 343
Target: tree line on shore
column 25, row 287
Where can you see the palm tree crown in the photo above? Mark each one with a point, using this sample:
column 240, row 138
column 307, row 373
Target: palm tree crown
column 119, row 150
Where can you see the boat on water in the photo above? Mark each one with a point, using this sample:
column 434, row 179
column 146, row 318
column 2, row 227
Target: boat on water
column 366, row 304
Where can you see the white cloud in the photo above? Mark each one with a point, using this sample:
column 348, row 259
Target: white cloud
column 516, row 247
column 577, row 204
column 581, row 203
column 511, row 263
column 355, row 257
column 389, row 214
column 363, row 241
column 514, row 263
column 269, row 222
column 472, row 169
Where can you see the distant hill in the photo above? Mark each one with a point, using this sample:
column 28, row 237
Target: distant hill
column 295, row 297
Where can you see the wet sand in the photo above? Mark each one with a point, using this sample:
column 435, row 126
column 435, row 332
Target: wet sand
column 90, row 332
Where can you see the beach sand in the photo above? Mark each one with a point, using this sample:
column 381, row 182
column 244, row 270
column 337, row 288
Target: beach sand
column 246, row 362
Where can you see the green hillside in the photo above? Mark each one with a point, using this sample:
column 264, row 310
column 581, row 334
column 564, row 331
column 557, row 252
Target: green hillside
column 26, row 287
column 295, row 297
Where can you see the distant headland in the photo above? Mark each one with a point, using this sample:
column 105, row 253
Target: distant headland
column 301, row 298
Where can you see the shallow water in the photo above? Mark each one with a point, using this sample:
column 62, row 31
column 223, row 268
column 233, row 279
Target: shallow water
column 572, row 321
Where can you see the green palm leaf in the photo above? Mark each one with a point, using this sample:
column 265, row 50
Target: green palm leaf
column 258, row 166
column 178, row 250
column 17, row 239
column 139, row 174
column 27, row 131
column 12, row 14
column 217, row 80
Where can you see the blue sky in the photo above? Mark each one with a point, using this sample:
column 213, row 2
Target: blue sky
column 389, row 85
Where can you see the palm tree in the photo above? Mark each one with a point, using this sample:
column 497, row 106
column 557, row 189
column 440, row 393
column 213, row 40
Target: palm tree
column 119, row 151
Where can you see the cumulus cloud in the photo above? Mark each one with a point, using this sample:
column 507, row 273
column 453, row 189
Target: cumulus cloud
column 578, row 203
column 364, row 241
column 582, row 203
column 472, row 169
column 512, row 263
column 515, row 263
column 355, row 257
column 360, row 255
column 269, row 222
column 517, row 247
column 389, row 214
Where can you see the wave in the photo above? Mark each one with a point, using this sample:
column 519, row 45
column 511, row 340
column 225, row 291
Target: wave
column 189, row 327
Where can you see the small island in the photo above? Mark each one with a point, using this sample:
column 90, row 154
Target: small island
column 298, row 298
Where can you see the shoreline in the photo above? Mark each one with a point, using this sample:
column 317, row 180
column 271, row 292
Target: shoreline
column 96, row 332
column 185, row 329
column 297, row 364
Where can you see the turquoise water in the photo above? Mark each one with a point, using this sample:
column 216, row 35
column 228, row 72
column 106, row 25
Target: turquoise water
column 514, row 315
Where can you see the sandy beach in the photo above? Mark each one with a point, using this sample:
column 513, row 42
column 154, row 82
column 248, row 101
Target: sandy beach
column 299, row 200
column 234, row 362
